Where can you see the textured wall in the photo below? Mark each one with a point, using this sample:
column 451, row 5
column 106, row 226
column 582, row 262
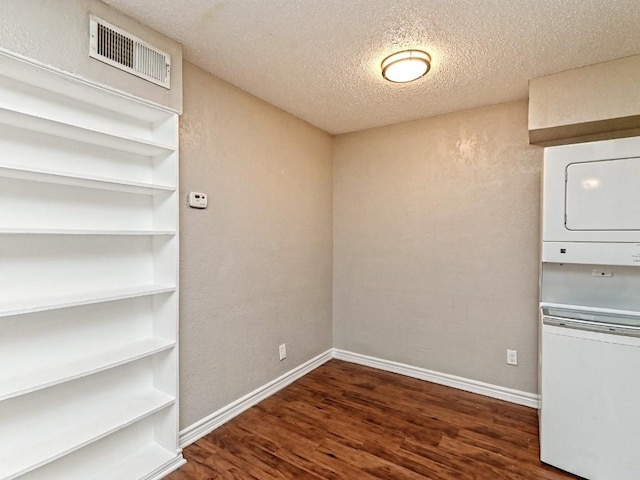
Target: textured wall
column 56, row 32
column 256, row 267
column 436, row 240
column 591, row 103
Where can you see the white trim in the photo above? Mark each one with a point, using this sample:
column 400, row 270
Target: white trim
column 167, row 468
column 81, row 81
column 208, row 424
column 494, row 391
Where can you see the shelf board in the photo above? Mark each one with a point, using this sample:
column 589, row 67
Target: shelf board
column 87, row 181
column 82, row 298
column 150, row 458
column 80, row 134
column 56, row 441
column 74, row 231
column 51, row 79
column 62, row 370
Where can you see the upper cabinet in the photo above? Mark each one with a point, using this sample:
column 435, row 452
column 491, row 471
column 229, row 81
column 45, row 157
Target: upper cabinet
column 597, row 102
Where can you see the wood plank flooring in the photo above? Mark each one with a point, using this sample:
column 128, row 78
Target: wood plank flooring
column 345, row 421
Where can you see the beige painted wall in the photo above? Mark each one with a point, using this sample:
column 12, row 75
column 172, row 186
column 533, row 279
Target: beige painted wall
column 436, row 227
column 589, row 103
column 436, row 240
column 256, row 266
column 56, row 33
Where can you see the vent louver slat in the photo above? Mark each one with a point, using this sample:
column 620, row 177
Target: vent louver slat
column 113, row 46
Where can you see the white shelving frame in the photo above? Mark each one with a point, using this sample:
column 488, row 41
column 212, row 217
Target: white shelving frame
column 88, row 279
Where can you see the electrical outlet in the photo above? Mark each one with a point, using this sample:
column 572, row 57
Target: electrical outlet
column 282, row 350
column 512, row 357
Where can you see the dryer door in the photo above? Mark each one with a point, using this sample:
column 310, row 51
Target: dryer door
column 603, row 195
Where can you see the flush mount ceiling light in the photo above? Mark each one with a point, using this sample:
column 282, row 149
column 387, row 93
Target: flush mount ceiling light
column 406, row 66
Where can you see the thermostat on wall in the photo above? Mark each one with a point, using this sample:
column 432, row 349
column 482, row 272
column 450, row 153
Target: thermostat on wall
column 197, row 200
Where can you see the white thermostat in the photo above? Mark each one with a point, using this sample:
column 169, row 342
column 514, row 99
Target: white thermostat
column 197, row 200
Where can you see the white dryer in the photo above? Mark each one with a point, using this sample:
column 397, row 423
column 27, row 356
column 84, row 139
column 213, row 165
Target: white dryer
column 590, row 309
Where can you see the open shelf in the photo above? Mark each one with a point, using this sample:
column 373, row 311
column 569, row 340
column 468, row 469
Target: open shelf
column 81, row 298
column 64, row 130
column 77, row 231
column 62, row 370
column 54, row 441
column 132, row 453
column 87, row 181
column 148, row 459
column 88, row 295
column 26, row 71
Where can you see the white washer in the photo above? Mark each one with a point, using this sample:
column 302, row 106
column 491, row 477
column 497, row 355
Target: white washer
column 590, row 390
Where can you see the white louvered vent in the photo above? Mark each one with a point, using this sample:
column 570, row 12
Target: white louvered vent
column 118, row 48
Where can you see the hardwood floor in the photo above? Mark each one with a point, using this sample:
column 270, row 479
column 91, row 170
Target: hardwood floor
column 345, row 421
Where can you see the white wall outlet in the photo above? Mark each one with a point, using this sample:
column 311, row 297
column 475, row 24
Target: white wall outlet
column 197, row 200
column 512, row 357
column 282, row 350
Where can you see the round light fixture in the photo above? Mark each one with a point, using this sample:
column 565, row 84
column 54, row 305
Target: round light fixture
column 406, row 66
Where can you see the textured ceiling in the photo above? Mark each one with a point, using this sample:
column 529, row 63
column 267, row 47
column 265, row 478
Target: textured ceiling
column 320, row 59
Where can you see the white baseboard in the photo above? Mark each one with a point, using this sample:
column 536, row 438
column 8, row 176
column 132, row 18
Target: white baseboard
column 167, row 468
column 495, row 391
column 208, row 424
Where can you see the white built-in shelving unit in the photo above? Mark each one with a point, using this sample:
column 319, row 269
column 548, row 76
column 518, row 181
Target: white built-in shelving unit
column 88, row 280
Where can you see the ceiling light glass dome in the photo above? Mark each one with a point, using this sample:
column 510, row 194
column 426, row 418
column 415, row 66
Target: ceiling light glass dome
column 406, row 66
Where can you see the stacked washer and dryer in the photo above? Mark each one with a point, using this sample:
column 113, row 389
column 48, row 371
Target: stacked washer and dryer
column 590, row 309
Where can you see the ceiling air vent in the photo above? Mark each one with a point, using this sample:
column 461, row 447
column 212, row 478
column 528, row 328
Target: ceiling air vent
column 118, row 48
